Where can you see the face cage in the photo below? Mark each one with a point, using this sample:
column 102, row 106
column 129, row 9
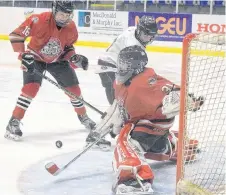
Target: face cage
column 59, row 22
column 124, row 71
column 145, row 36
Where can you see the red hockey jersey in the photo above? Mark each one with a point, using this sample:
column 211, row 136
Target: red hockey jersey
column 142, row 99
column 48, row 43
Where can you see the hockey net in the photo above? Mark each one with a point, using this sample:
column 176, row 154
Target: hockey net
column 201, row 168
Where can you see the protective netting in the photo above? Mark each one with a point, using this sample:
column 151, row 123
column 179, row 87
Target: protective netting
column 205, row 76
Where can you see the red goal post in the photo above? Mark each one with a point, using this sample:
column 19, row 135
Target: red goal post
column 203, row 74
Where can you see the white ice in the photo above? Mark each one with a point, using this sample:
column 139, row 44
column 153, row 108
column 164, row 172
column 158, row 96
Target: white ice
column 50, row 118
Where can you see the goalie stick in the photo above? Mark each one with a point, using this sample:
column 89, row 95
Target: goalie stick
column 103, row 114
column 103, row 129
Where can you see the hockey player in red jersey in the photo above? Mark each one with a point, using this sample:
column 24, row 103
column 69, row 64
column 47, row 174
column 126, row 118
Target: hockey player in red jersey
column 50, row 49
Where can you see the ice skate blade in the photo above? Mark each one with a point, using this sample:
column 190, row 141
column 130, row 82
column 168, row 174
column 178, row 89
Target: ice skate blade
column 12, row 137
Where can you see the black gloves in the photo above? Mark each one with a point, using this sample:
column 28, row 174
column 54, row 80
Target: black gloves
column 80, row 61
column 27, row 62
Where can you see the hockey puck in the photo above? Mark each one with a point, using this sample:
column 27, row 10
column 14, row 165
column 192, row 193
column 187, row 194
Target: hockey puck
column 59, row 144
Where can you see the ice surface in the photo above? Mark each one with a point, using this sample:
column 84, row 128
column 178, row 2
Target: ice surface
column 49, row 118
column 91, row 174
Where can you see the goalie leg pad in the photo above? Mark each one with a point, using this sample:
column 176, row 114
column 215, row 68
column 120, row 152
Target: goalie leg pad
column 126, row 159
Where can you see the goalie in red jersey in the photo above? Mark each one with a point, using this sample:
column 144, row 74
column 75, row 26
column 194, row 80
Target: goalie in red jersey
column 50, row 49
column 146, row 105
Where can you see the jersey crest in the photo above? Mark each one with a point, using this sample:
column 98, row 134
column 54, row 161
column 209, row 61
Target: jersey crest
column 52, row 49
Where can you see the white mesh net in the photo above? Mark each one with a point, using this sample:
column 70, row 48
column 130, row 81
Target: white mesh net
column 205, row 76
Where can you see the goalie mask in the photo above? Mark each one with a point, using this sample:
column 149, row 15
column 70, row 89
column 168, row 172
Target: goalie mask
column 63, row 12
column 131, row 61
column 146, row 29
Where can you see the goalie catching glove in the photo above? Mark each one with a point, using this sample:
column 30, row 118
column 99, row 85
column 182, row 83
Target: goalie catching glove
column 171, row 103
column 194, row 103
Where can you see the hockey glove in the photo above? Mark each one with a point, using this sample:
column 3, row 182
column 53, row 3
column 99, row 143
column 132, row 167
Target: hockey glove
column 194, row 103
column 171, row 104
column 27, row 62
column 80, row 61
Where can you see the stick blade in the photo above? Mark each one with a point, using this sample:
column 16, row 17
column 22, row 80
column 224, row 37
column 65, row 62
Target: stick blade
column 52, row 168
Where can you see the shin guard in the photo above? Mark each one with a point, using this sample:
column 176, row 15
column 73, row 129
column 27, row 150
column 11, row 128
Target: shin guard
column 29, row 91
column 78, row 105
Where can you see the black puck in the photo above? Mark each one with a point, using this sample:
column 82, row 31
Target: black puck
column 59, row 144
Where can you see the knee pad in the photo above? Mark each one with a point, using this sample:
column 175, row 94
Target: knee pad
column 30, row 90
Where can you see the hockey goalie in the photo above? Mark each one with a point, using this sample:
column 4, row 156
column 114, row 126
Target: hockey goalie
column 142, row 114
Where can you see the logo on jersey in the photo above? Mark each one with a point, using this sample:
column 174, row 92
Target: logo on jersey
column 52, row 48
column 84, row 19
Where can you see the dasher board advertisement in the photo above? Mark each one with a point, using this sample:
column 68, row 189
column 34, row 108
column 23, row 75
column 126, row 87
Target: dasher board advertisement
column 108, row 23
column 171, row 27
column 209, row 24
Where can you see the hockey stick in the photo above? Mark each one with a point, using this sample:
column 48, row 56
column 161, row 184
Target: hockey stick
column 52, row 167
column 103, row 128
column 103, row 114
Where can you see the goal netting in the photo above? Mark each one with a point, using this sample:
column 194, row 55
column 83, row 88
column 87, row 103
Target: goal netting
column 201, row 169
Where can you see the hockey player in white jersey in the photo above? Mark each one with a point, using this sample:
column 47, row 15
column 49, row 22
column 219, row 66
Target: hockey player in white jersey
column 142, row 35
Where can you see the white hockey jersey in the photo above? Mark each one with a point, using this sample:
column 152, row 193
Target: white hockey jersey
column 126, row 39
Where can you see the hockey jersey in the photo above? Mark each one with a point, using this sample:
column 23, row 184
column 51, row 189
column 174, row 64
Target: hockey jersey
column 142, row 99
column 126, row 39
column 48, row 42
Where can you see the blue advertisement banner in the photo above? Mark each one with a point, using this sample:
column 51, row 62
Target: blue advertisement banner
column 171, row 27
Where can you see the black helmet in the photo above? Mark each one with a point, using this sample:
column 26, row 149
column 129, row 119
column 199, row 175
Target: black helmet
column 146, row 29
column 131, row 61
column 65, row 6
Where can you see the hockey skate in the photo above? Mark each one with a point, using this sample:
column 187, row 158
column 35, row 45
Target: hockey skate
column 102, row 144
column 87, row 122
column 13, row 131
column 134, row 187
